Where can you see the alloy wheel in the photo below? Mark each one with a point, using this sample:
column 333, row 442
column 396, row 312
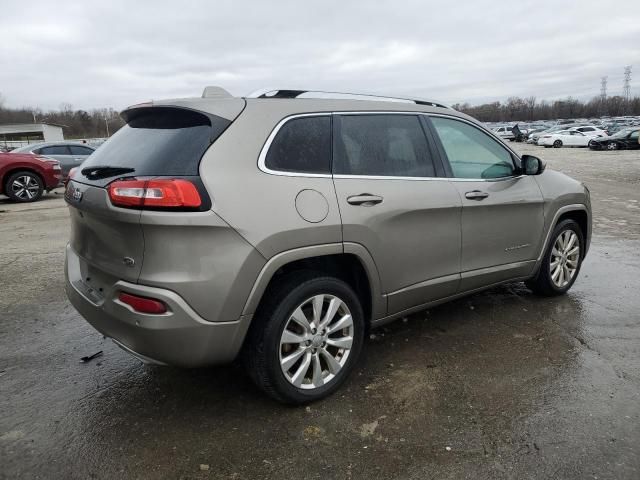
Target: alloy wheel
column 565, row 258
column 316, row 341
column 25, row 187
column 612, row 146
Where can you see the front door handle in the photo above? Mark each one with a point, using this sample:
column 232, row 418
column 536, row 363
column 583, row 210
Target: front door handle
column 364, row 199
column 476, row 195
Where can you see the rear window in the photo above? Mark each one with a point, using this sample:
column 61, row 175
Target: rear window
column 159, row 141
column 79, row 150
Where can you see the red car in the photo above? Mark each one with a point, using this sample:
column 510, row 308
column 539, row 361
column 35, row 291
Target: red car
column 24, row 178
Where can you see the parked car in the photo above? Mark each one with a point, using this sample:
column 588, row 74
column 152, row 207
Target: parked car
column 533, row 138
column 589, row 131
column 283, row 228
column 623, row 139
column 24, row 178
column 564, row 138
column 504, row 132
column 69, row 154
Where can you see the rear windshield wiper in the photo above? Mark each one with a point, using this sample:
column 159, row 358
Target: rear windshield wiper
column 96, row 173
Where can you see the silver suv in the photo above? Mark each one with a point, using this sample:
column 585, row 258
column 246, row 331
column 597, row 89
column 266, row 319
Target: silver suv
column 282, row 227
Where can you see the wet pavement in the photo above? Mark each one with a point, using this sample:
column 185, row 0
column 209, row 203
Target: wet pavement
column 501, row 384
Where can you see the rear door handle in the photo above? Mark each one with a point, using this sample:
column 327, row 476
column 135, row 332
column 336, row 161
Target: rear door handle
column 364, row 199
column 476, row 195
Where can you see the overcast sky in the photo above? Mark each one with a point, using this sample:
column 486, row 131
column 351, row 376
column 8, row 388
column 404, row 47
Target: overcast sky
column 112, row 53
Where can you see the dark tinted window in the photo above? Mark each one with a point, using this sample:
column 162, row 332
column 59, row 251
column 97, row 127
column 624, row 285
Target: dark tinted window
column 302, row 145
column 79, row 150
column 159, row 141
column 54, row 150
column 471, row 152
column 382, row 145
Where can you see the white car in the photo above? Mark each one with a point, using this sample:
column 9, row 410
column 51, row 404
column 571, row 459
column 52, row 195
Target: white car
column 564, row 138
column 589, row 131
column 504, row 132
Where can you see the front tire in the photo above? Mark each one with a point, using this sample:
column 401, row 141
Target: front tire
column 557, row 144
column 612, row 146
column 561, row 261
column 24, row 186
column 306, row 337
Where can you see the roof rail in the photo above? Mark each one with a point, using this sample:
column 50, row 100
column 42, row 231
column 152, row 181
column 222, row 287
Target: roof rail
column 295, row 93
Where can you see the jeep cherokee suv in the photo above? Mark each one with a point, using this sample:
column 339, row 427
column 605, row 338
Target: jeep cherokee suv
column 282, row 226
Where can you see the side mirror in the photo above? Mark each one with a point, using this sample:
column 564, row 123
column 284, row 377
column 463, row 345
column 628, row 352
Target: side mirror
column 532, row 165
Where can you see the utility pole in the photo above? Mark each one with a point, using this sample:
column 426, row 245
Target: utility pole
column 626, row 89
column 106, row 124
column 603, row 96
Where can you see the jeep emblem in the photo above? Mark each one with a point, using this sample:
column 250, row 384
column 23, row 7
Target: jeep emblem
column 77, row 194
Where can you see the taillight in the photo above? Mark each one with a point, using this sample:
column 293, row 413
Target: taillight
column 143, row 304
column 68, row 177
column 170, row 193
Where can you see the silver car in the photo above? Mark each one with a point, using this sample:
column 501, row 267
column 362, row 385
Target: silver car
column 281, row 228
column 69, row 154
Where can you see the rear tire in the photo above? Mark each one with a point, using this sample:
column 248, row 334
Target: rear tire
column 612, row 146
column 559, row 261
column 24, row 187
column 296, row 363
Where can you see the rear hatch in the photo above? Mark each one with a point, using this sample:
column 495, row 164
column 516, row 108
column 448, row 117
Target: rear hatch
column 156, row 153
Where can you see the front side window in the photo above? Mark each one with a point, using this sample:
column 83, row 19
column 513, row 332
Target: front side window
column 382, row 145
column 54, row 150
column 302, row 145
column 471, row 152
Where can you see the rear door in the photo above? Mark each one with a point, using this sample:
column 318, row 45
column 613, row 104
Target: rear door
column 60, row 153
column 502, row 211
column 79, row 153
column 394, row 201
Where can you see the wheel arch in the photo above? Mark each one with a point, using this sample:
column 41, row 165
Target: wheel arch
column 350, row 262
column 578, row 212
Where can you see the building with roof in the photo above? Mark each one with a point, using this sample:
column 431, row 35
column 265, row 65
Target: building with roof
column 18, row 134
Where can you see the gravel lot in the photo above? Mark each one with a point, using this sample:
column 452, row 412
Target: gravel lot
column 501, row 384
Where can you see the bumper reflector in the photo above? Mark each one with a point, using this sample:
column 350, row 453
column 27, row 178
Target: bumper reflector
column 143, row 304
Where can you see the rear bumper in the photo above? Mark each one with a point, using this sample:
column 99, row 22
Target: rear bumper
column 179, row 337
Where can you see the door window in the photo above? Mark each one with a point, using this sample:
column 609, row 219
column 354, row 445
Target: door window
column 79, row 150
column 382, row 145
column 471, row 152
column 302, row 145
column 54, row 150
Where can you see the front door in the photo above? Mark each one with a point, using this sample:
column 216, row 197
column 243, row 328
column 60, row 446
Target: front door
column 395, row 201
column 502, row 211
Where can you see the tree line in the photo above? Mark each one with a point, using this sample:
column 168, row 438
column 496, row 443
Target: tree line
column 517, row 109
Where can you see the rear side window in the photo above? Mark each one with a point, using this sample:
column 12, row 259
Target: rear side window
column 302, row 145
column 79, row 150
column 471, row 152
column 382, row 145
column 160, row 141
column 54, row 150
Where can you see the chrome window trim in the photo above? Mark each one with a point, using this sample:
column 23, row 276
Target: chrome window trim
column 265, row 148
